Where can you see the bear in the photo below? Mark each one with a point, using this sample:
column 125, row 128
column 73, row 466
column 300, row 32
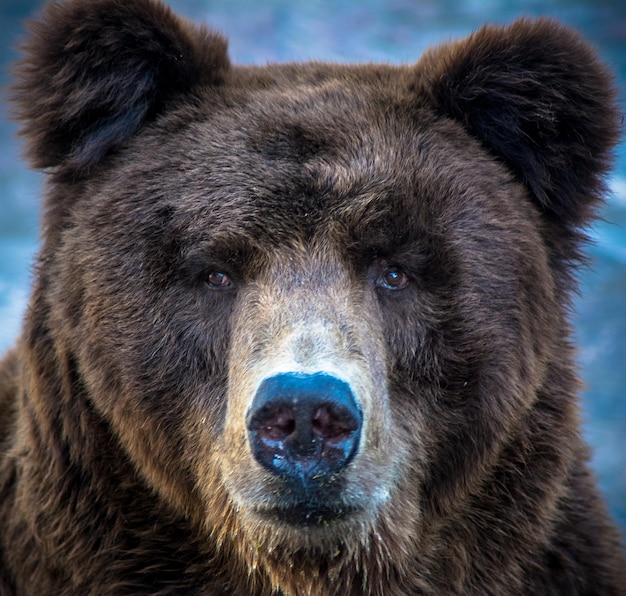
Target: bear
column 303, row 329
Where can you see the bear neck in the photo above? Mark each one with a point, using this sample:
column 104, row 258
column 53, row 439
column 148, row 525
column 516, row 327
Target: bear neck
column 73, row 500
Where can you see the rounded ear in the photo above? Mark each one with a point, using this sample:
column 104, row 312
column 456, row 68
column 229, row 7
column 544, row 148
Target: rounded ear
column 538, row 98
column 95, row 71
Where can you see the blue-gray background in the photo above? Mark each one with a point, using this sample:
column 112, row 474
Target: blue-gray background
column 395, row 31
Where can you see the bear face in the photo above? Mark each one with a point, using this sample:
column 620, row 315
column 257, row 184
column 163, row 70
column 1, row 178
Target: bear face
column 314, row 317
column 303, row 288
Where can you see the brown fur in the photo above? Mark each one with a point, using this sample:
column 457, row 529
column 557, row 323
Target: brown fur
column 126, row 467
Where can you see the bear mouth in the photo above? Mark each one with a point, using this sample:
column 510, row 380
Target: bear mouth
column 308, row 514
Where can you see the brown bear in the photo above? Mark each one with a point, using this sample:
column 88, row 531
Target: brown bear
column 302, row 329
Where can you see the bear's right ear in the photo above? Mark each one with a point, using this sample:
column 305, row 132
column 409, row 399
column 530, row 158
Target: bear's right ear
column 96, row 70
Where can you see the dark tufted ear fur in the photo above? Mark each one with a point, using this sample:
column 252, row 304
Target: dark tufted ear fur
column 94, row 72
column 536, row 96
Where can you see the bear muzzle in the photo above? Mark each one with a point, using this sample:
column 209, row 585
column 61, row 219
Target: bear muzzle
column 304, row 428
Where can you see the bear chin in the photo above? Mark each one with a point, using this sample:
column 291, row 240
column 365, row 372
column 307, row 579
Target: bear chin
column 309, row 515
column 331, row 504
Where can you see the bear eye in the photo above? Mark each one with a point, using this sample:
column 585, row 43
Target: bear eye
column 218, row 280
column 393, row 278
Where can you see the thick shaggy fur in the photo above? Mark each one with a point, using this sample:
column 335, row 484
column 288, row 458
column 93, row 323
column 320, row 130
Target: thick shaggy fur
column 413, row 231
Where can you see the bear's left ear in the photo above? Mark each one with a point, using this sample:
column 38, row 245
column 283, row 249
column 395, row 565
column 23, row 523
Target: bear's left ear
column 537, row 97
column 95, row 71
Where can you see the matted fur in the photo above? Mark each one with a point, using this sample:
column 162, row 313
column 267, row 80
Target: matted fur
column 411, row 230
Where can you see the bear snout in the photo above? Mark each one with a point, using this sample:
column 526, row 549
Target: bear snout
column 304, row 427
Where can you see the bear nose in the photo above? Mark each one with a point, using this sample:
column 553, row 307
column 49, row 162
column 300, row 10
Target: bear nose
column 304, row 426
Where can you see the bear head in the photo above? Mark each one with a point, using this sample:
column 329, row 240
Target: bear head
column 320, row 309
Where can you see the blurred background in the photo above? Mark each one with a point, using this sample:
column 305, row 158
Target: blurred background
column 394, row 31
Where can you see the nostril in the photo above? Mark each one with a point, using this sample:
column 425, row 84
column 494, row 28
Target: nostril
column 274, row 424
column 333, row 425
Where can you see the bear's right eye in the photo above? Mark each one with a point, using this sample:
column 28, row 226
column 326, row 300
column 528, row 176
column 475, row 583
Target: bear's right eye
column 218, row 280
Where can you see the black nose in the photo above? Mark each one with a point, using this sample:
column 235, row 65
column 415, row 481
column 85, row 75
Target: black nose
column 304, row 426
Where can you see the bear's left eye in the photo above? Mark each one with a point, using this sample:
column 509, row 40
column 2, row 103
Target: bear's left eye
column 218, row 280
column 393, row 278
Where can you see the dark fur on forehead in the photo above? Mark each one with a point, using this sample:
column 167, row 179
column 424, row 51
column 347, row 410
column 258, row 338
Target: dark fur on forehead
column 536, row 96
column 95, row 72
